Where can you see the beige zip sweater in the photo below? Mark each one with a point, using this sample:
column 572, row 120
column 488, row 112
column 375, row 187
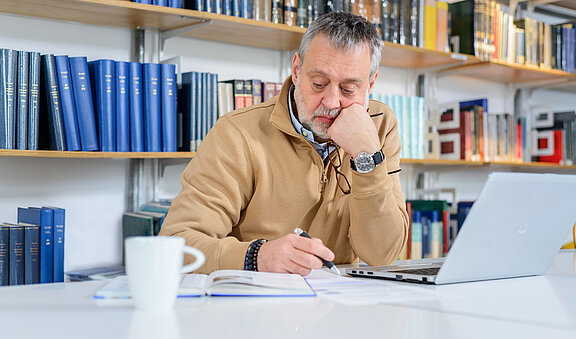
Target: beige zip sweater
column 255, row 177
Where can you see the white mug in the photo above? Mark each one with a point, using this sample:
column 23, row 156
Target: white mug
column 154, row 268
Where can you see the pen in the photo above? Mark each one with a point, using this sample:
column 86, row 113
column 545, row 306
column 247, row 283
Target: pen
column 326, row 263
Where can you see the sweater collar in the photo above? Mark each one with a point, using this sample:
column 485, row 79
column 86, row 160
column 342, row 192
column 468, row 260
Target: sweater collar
column 280, row 116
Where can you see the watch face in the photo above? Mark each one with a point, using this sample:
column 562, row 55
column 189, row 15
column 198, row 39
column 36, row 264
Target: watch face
column 364, row 162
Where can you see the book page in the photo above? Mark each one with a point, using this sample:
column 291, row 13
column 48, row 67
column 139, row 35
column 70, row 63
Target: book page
column 191, row 285
column 248, row 283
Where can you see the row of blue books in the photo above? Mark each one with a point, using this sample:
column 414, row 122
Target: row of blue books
column 165, row 3
column 410, row 112
column 105, row 105
column 32, row 250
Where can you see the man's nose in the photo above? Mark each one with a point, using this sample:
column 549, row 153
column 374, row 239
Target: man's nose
column 332, row 98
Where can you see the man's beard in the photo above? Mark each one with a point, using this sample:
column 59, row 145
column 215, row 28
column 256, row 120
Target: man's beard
column 318, row 128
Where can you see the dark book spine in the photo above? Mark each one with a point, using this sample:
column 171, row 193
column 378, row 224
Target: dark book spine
column 277, row 11
column 403, row 17
column 16, row 255
column 4, row 255
column 301, row 19
column 213, row 79
column 34, row 101
column 8, row 64
column 187, row 101
column 256, row 91
column 55, row 120
column 227, row 7
column 385, row 19
column 136, row 110
column 152, row 108
column 175, row 3
column 207, row 5
column 31, row 254
column 204, row 103
column 393, row 26
column 59, row 227
column 84, row 103
column 169, row 125
column 122, row 107
column 68, row 106
column 22, row 107
column 102, row 75
column 248, row 99
column 217, row 6
column 236, row 8
column 413, row 24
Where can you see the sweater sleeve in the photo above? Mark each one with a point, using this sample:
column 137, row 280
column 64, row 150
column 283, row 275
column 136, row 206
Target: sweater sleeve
column 378, row 217
column 216, row 186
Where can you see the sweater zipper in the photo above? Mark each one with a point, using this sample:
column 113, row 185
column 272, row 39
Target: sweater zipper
column 324, row 179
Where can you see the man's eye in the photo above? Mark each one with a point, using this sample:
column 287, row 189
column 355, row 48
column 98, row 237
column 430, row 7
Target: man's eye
column 319, row 86
column 347, row 91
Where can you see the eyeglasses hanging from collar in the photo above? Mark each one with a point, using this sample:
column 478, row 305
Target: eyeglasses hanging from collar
column 336, row 162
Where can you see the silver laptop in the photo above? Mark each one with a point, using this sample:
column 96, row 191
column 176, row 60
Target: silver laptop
column 514, row 229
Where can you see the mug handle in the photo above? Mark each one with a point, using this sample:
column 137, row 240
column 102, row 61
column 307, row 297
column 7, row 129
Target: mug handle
column 200, row 258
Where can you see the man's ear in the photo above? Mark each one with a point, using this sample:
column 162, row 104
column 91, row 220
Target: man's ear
column 295, row 67
column 373, row 81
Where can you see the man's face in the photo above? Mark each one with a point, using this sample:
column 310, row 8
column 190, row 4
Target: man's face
column 328, row 81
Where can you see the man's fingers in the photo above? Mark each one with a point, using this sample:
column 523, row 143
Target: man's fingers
column 313, row 246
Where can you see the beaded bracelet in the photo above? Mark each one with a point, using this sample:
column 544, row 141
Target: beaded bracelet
column 251, row 261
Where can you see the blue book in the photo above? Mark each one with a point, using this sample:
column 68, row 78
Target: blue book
column 84, row 104
column 8, row 64
column 152, row 108
column 59, row 228
column 187, row 101
column 175, row 3
column 102, row 75
column 160, row 2
column 55, row 118
column 67, row 103
column 16, row 254
column 169, row 111
column 31, row 253
column 4, row 255
column 147, row 2
column 236, row 8
column 470, row 104
column 227, row 7
column 207, row 5
column 136, row 107
column 45, row 219
column 122, row 107
column 34, row 101
column 22, row 106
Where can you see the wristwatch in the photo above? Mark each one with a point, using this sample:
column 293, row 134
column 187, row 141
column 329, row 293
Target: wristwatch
column 365, row 162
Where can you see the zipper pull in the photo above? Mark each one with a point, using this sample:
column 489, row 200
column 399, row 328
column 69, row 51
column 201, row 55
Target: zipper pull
column 324, row 180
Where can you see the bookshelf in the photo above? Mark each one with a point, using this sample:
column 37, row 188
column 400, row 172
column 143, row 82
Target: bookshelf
column 96, row 155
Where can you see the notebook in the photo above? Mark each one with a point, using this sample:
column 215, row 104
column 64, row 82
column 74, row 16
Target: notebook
column 514, row 229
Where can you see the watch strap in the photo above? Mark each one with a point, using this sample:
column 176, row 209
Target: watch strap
column 378, row 159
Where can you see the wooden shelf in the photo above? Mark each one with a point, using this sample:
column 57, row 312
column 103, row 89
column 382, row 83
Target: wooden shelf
column 404, row 56
column 509, row 164
column 95, row 155
column 509, row 73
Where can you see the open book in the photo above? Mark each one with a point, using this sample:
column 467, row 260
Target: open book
column 223, row 283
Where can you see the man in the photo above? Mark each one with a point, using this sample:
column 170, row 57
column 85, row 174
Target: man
column 264, row 170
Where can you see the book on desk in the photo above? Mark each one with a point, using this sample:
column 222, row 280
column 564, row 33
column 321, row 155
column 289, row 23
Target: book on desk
column 229, row 283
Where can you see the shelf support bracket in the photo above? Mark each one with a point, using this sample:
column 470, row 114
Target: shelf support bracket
column 171, row 33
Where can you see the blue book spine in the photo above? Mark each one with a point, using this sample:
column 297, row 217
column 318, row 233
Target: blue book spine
column 4, row 255
column 204, row 106
column 31, row 254
column 84, row 103
column 227, row 7
column 175, row 3
column 169, row 123
column 217, row 6
column 136, row 109
column 207, row 5
column 22, row 107
column 160, row 2
column 102, row 75
column 152, row 108
column 185, row 102
column 55, row 119
column 59, row 228
column 16, row 255
column 45, row 219
column 34, row 101
column 236, row 8
column 8, row 64
column 244, row 12
column 122, row 107
column 147, row 2
column 67, row 103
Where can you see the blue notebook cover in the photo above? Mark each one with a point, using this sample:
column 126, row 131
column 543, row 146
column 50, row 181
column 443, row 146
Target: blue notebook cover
column 152, row 108
column 102, row 75
column 4, row 255
column 122, row 107
column 84, row 103
column 8, row 64
column 44, row 218
column 59, row 228
column 67, row 103
column 34, row 101
column 169, row 124
column 136, row 107
column 16, row 255
column 31, row 253
column 55, row 119
column 22, row 107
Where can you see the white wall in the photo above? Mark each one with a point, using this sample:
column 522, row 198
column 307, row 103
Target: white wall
column 93, row 190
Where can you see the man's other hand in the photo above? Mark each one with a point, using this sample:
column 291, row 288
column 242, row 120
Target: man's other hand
column 292, row 254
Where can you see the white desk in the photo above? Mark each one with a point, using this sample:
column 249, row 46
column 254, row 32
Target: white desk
column 535, row 307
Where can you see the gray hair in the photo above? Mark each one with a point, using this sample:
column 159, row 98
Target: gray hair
column 346, row 32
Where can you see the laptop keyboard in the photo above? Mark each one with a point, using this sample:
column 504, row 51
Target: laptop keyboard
column 420, row 271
